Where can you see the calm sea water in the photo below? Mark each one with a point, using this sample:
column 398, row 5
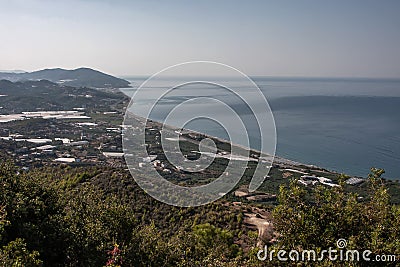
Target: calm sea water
column 346, row 125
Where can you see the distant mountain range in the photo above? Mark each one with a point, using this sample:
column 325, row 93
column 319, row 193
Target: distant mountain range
column 82, row 77
column 13, row 71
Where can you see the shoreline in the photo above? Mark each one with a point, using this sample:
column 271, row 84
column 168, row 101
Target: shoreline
column 277, row 161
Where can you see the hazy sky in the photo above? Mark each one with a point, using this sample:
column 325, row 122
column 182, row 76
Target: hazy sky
column 274, row 38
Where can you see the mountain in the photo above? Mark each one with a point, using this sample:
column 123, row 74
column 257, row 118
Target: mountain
column 82, row 77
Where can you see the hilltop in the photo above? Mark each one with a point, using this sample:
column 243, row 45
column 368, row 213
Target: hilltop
column 81, row 77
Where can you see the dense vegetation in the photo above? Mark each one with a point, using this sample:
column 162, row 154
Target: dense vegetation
column 97, row 216
column 90, row 217
column 82, row 77
column 316, row 220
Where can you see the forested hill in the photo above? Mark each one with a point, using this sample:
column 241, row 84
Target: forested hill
column 82, row 77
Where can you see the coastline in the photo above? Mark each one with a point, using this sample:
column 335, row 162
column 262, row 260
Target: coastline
column 276, row 158
column 278, row 170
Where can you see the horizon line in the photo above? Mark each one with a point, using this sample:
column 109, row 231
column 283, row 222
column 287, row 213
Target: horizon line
column 273, row 77
column 278, row 77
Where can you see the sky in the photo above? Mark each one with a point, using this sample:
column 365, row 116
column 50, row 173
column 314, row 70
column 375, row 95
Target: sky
column 310, row 38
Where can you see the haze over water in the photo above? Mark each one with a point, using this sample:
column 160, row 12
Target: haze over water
column 345, row 125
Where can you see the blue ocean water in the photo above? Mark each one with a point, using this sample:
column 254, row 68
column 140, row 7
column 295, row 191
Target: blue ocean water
column 345, row 125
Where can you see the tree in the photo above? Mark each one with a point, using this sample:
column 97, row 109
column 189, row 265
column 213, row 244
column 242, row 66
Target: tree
column 318, row 218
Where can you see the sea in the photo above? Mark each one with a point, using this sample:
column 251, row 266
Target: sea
column 347, row 125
